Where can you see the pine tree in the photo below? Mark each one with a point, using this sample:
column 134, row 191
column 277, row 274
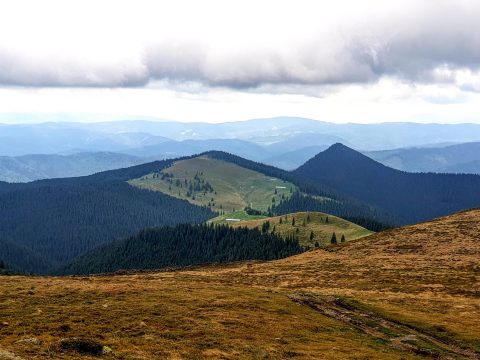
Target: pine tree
column 317, row 244
column 293, row 221
column 312, row 235
column 334, row 239
column 343, row 238
column 326, row 220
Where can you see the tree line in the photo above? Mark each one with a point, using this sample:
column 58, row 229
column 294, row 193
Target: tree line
column 184, row 245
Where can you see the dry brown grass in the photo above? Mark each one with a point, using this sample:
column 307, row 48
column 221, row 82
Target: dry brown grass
column 425, row 278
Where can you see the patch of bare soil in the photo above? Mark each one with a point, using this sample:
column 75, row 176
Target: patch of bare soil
column 399, row 335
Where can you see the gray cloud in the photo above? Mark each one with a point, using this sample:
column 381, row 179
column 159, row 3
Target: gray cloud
column 410, row 46
column 51, row 70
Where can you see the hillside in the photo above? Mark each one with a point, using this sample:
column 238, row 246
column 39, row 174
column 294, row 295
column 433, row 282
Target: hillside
column 183, row 245
column 222, row 186
column 59, row 219
column 410, row 197
column 408, row 293
column 56, row 220
column 301, row 226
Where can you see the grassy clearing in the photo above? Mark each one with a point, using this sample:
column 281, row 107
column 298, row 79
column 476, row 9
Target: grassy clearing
column 238, row 215
column 222, row 186
column 302, row 224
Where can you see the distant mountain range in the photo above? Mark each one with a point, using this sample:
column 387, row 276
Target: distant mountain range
column 283, row 142
column 35, row 167
column 459, row 158
column 278, row 135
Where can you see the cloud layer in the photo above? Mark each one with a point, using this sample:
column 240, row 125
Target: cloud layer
column 427, row 42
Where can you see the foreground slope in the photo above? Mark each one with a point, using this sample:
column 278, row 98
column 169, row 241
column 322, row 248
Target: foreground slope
column 411, row 197
column 408, row 293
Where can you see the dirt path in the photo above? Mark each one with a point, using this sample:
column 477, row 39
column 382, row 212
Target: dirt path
column 398, row 335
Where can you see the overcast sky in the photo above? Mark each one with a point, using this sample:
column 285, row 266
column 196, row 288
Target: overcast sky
column 340, row 61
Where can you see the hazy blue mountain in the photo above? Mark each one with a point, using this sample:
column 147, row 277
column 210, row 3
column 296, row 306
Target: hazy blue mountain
column 298, row 141
column 274, row 130
column 453, row 158
column 172, row 149
column 471, row 167
column 58, row 138
column 277, row 135
column 34, row 167
column 293, row 159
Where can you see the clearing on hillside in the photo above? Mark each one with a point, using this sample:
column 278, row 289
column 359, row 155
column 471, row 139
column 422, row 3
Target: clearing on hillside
column 302, row 224
column 222, row 186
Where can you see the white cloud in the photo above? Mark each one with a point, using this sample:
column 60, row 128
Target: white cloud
column 239, row 45
column 215, row 60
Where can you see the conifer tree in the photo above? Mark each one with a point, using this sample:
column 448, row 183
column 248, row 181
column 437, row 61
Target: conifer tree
column 343, row 238
column 333, row 239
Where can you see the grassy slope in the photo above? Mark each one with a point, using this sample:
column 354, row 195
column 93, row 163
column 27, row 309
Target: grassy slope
column 235, row 187
column 321, row 229
column 425, row 276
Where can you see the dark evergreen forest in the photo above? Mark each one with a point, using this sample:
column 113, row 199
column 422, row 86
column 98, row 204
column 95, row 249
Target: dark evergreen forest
column 408, row 197
column 57, row 220
column 183, row 245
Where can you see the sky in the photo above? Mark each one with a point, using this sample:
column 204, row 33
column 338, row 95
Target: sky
column 216, row 61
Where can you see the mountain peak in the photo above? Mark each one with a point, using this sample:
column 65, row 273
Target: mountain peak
column 339, row 147
column 344, row 155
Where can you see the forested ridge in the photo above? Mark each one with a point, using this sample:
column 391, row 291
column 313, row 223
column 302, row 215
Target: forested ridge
column 409, row 197
column 343, row 206
column 59, row 219
column 183, row 245
column 48, row 223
